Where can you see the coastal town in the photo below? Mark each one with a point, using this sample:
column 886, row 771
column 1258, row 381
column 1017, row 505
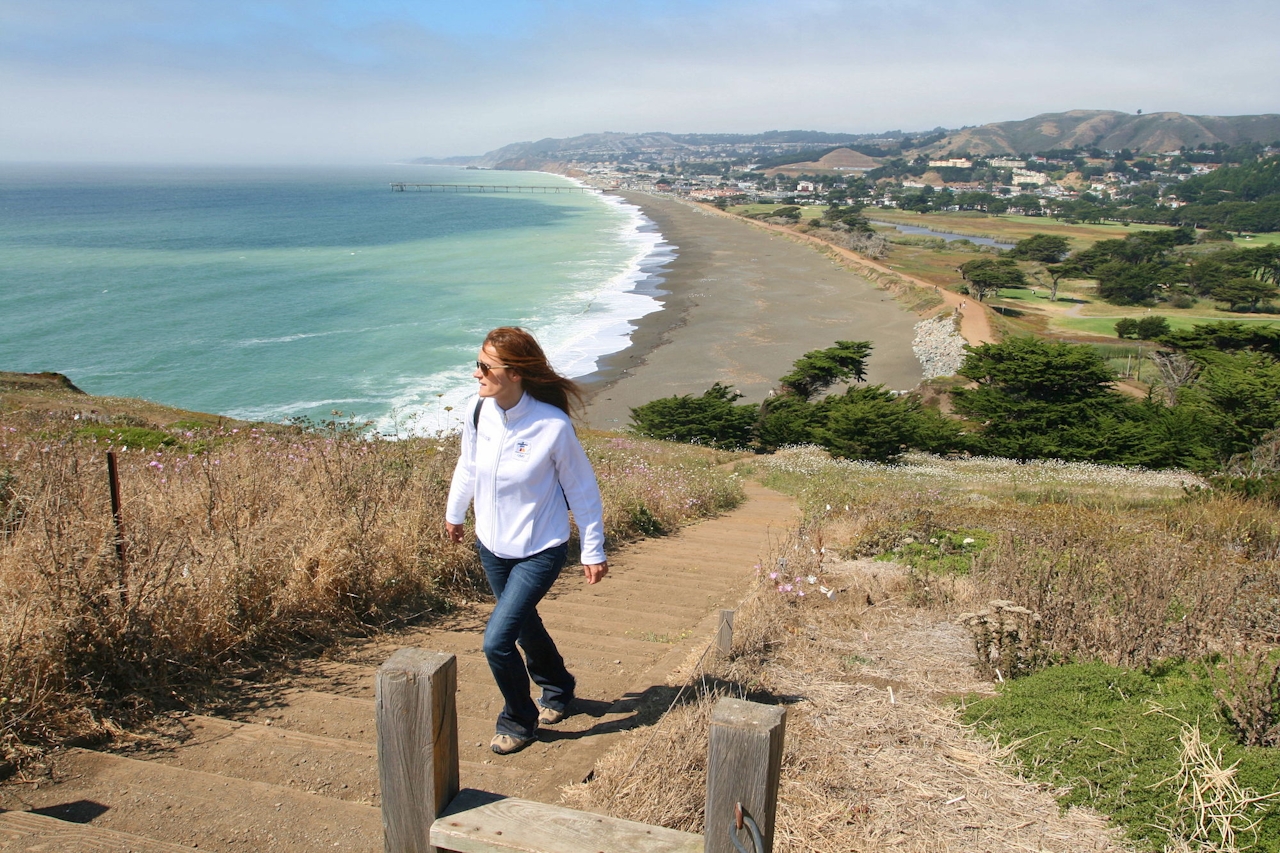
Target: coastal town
column 1028, row 185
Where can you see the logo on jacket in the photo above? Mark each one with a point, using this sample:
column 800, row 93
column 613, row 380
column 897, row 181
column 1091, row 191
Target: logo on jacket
column 522, row 448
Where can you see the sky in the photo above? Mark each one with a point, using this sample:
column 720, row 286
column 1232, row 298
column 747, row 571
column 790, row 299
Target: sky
column 382, row 81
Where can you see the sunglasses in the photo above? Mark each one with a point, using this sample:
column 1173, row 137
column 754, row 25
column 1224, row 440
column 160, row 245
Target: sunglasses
column 485, row 368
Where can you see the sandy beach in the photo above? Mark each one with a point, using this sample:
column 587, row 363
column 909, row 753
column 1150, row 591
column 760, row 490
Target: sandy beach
column 743, row 305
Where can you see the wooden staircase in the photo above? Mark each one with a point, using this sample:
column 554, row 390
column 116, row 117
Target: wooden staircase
column 293, row 767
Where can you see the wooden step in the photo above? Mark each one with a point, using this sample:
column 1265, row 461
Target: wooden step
column 314, row 712
column 28, row 832
column 611, row 618
column 212, row 812
column 479, row 823
column 339, row 768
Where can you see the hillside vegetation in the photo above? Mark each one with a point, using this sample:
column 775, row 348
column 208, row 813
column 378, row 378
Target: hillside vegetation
column 1111, row 130
column 1131, row 615
column 237, row 543
column 1125, row 616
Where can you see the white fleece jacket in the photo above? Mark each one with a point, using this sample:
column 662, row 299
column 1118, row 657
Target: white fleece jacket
column 516, row 465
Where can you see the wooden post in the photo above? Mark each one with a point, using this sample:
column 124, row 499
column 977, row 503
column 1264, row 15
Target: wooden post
column 417, row 723
column 744, row 763
column 724, row 635
column 117, row 517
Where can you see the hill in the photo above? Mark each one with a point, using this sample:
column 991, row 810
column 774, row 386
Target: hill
column 1106, row 129
column 840, row 160
column 1110, row 130
column 663, row 147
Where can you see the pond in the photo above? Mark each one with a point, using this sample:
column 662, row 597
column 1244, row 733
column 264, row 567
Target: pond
column 946, row 235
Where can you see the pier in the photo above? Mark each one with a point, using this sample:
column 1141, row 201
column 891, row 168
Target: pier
column 400, row 187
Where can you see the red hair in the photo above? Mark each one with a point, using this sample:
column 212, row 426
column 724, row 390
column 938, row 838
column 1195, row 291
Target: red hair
column 520, row 351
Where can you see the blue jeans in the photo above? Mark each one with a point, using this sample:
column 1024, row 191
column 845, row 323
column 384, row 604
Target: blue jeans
column 519, row 585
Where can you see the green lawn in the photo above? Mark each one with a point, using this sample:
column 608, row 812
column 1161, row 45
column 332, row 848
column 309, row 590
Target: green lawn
column 1024, row 294
column 1016, row 227
column 1005, row 225
column 1106, row 326
column 1251, row 240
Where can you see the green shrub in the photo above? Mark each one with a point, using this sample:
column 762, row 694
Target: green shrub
column 866, row 423
column 784, row 420
column 941, row 552
column 710, row 419
column 1262, row 487
column 1108, row 737
column 129, row 436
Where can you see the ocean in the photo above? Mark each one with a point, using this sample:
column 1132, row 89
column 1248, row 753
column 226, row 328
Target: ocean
column 276, row 293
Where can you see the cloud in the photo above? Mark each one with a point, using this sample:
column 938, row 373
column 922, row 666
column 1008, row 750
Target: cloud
column 339, row 80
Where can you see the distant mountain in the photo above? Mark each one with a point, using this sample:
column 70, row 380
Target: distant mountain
column 465, row 160
column 1109, row 130
column 664, row 147
column 1106, row 129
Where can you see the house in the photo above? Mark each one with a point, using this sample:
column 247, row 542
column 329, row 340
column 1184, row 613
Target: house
column 1026, row 176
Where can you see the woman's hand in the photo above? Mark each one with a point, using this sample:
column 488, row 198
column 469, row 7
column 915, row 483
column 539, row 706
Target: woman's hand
column 454, row 531
column 595, row 572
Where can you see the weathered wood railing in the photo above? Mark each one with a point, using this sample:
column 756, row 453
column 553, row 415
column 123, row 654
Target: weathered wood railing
column 423, row 809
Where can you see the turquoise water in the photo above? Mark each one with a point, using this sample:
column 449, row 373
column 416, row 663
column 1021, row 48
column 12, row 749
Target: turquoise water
column 275, row 293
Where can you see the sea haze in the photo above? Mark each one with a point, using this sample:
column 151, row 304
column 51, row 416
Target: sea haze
column 276, row 293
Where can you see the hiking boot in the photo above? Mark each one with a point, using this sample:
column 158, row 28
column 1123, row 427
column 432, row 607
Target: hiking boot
column 550, row 716
column 507, row 744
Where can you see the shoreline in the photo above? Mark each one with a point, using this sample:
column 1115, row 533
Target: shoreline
column 739, row 306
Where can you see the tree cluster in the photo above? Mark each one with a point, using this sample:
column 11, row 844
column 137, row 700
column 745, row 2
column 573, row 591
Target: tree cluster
column 1243, row 197
column 1145, row 268
column 864, row 422
column 1218, row 397
column 990, row 275
column 1142, row 329
column 1035, row 399
column 847, row 218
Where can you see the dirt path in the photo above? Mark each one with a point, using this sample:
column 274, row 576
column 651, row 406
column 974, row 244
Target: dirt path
column 975, row 321
column 291, row 765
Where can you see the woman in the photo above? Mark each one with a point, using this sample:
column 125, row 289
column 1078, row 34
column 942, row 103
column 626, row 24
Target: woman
column 522, row 465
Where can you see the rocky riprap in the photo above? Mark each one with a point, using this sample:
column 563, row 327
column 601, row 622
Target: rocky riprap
column 939, row 346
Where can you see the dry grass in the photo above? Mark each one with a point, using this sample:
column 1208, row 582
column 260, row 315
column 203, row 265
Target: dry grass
column 875, row 758
column 241, row 544
column 1123, row 565
column 1216, row 814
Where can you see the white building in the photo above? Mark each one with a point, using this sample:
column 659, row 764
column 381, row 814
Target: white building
column 1026, row 176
